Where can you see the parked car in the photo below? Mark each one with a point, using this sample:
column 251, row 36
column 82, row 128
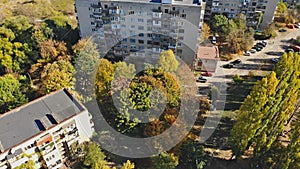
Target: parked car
column 291, row 26
column 228, row 66
column 247, row 53
column 296, row 48
column 201, row 79
column 257, row 48
column 253, row 50
column 275, row 60
column 206, row 74
column 259, row 45
column 237, row 61
column 288, row 50
column 282, row 30
column 262, row 44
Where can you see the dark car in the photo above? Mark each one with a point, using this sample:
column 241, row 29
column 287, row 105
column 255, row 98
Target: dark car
column 201, row 79
column 237, row 61
column 289, row 50
column 257, row 48
column 262, row 44
column 275, row 60
column 282, row 30
column 228, row 66
column 206, row 74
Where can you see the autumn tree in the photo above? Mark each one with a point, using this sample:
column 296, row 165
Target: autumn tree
column 205, row 32
column 128, row 165
column 168, row 61
column 11, row 95
column 281, row 8
column 104, row 77
column 57, row 75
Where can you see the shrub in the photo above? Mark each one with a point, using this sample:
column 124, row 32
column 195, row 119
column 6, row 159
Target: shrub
column 237, row 79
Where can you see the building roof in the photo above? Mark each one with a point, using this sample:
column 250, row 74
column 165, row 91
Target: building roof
column 31, row 119
column 208, row 52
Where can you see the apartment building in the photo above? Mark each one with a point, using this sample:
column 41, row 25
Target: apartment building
column 258, row 12
column 142, row 27
column 42, row 131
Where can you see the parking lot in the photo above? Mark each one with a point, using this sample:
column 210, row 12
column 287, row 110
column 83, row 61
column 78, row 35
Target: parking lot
column 259, row 63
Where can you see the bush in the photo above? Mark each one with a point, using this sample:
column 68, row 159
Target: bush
column 237, row 79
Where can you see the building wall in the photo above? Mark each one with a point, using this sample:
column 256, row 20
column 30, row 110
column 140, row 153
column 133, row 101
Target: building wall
column 248, row 7
column 176, row 23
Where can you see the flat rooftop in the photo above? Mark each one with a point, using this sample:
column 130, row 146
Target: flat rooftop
column 26, row 121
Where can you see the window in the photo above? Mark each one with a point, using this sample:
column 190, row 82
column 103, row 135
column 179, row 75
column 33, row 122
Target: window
column 149, row 35
column 131, row 19
column 141, row 28
column 132, row 26
column 141, row 41
column 131, row 12
column 141, row 35
column 181, row 30
column 140, row 20
column 132, row 40
column 166, row 10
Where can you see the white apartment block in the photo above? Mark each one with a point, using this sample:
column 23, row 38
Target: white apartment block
column 124, row 27
column 43, row 130
column 252, row 9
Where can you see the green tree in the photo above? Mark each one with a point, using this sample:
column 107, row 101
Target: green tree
column 267, row 109
column 56, row 76
column 11, row 95
column 123, row 120
column 221, row 25
column 95, row 158
column 165, row 160
column 12, row 55
column 271, row 30
column 28, row 165
column 19, row 25
column 86, row 61
column 240, row 21
column 124, row 70
column 168, row 61
column 192, row 155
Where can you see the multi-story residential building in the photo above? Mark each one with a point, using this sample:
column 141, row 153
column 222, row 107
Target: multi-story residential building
column 123, row 27
column 43, row 130
column 258, row 12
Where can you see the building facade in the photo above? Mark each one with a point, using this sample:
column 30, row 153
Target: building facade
column 257, row 12
column 123, row 27
column 42, row 131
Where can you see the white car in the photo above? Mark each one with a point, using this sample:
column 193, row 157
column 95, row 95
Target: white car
column 247, row 53
column 253, row 51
